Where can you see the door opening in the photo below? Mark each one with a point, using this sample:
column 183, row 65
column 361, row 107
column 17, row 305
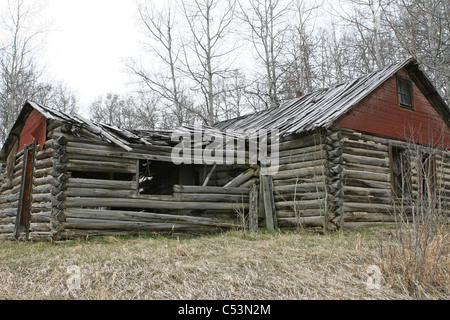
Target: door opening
column 26, row 187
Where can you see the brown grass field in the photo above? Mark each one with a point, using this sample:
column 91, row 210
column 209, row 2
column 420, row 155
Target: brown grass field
column 234, row 265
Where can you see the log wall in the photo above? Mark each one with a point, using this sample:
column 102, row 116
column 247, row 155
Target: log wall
column 105, row 198
column 44, row 184
column 367, row 187
column 299, row 187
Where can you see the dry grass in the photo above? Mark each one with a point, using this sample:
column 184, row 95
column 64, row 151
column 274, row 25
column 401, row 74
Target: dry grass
column 229, row 266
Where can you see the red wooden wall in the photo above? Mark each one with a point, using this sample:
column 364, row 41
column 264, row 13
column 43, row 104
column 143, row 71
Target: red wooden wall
column 34, row 128
column 379, row 113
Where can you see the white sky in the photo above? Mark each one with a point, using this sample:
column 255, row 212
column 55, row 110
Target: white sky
column 87, row 44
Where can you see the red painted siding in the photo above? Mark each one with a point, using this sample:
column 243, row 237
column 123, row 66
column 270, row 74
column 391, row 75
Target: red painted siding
column 379, row 113
column 34, row 128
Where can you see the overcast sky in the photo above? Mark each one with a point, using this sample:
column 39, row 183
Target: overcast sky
column 87, row 44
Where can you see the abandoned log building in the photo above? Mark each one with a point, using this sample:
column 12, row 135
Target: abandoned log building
column 355, row 153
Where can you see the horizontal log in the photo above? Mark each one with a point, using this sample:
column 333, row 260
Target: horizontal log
column 219, row 190
column 302, row 165
column 301, row 205
column 357, row 174
column 300, row 142
column 9, row 212
column 100, row 193
column 295, row 181
column 367, row 207
column 301, row 222
column 98, row 155
column 94, row 166
column 365, row 137
column 368, row 217
column 365, row 152
column 365, row 160
column 211, row 197
column 45, row 180
column 290, row 213
column 7, row 228
column 40, row 227
column 299, row 173
column 8, row 220
column 371, row 199
column 366, row 145
column 303, row 157
column 363, row 167
column 359, row 191
column 104, row 184
column 367, row 183
column 91, row 224
column 299, row 196
column 299, row 151
column 149, row 204
column 300, row 188
column 147, row 217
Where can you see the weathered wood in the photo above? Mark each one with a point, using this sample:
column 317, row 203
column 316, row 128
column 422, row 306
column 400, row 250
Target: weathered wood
column 205, row 183
column 301, row 205
column 366, row 160
column 101, row 193
column 142, row 203
column 303, row 157
column 300, row 188
column 368, row 184
column 299, row 196
column 300, row 142
column 253, row 209
column 359, row 191
column 365, row 199
column 211, row 197
column 267, row 200
column 148, row 217
column 365, row 152
column 299, row 173
column 317, row 221
column 299, row 151
column 368, row 217
column 366, row 145
column 248, row 183
column 240, row 179
column 302, row 165
column 93, row 166
column 367, row 207
column 219, row 190
column 356, row 174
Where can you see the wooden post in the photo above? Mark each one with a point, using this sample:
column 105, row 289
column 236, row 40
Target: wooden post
column 267, row 198
column 205, row 183
column 253, row 209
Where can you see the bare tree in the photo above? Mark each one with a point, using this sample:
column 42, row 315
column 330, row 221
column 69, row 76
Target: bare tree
column 299, row 76
column 373, row 43
column 268, row 24
column 159, row 26
column 57, row 96
column 18, row 71
column 206, row 50
column 422, row 27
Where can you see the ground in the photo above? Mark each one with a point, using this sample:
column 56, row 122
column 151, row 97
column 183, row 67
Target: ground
column 233, row 265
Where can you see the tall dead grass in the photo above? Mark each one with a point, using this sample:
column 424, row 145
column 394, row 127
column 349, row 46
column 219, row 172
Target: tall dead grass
column 298, row 265
column 417, row 261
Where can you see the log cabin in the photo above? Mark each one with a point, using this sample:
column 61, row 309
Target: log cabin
column 361, row 152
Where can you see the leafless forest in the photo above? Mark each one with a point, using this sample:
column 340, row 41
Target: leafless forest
column 211, row 60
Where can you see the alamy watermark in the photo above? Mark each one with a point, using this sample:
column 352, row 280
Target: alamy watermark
column 210, row 146
column 373, row 277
